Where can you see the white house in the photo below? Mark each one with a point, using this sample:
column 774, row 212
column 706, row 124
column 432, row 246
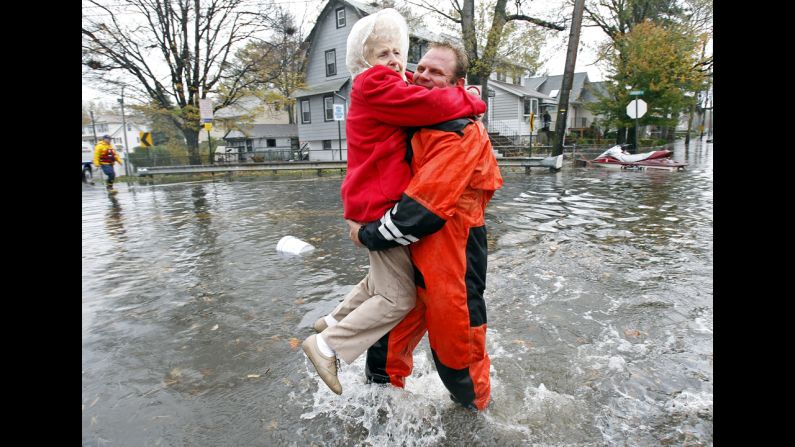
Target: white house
column 510, row 108
column 247, row 111
column 260, row 142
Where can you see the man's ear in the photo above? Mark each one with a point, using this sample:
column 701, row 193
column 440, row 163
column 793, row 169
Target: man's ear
column 460, row 82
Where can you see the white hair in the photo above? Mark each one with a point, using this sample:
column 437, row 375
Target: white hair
column 386, row 25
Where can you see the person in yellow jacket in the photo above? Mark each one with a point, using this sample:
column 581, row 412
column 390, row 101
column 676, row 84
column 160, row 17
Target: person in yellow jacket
column 104, row 157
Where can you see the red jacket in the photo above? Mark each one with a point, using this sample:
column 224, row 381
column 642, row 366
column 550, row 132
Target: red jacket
column 382, row 106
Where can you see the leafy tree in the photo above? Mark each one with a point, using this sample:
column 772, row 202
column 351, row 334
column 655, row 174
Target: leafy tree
column 618, row 18
column 171, row 53
column 663, row 62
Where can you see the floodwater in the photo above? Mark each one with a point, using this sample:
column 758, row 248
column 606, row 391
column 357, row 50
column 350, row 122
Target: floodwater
column 600, row 313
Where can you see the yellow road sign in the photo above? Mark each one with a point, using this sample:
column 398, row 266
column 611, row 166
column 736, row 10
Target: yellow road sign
column 146, row 138
column 208, row 126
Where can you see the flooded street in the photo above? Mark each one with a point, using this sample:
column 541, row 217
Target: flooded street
column 600, row 315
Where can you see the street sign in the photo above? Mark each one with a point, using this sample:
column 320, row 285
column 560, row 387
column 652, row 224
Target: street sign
column 339, row 112
column 206, row 110
column 636, row 108
column 146, row 138
column 532, row 119
column 636, row 92
column 208, row 126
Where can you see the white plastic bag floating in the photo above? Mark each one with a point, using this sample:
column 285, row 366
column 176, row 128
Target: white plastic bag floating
column 293, row 245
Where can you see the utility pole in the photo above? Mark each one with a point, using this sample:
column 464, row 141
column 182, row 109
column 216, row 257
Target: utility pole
column 93, row 128
column 568, row 76
column 124, row 127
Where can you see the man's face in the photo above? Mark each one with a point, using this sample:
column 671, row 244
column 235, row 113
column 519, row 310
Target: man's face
column 436, row 69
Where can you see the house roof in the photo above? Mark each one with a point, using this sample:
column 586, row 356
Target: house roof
column 590, row 90
column 330, row 86
column 263, row 131
column 517, row 90
column 545, row 85
column 244, row 106
column 362, row 8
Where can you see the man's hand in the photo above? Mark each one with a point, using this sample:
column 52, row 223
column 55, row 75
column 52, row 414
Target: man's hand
column 353, row 231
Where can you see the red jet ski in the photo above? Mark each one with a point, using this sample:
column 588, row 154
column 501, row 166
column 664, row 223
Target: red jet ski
column 617, row 158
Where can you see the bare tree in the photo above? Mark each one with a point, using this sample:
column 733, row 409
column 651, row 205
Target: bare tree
column 170, row 52
column 274, row 68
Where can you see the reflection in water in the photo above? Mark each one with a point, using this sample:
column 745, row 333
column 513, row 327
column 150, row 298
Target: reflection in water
column 600, row 316
column 114, row 221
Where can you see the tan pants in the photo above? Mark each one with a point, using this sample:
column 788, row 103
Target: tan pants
column 375, row 305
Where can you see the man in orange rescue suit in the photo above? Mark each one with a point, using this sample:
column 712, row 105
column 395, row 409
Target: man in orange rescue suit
column 104, row 157
column 441, row 214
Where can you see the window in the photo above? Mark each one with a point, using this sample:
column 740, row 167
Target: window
column 530, row 106
column 270, row 142
column 331, row 62
column 328, row 108
column 326, row 145
column 500, row 75
column 340, row 17
column 416, row 49
column 306, row 117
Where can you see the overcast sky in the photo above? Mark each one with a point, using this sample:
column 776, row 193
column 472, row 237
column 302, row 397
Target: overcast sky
column 555, row 49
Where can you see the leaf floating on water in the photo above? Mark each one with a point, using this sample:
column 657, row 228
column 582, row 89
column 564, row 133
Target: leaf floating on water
column 273, row 425
column 253, row 376
column 294, row 342
column 214, row 327
column 300, row 301
column 92, row 403
column 632, row 333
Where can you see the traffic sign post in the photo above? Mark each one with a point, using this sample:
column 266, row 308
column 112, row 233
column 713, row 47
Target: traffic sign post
column 636, row 109
column 339, row 116
column 206, row 118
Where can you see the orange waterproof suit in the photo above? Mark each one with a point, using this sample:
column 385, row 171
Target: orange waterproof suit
column 441, row 214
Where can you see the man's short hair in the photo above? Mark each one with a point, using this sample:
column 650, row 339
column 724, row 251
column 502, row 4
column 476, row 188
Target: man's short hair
column 462, row 61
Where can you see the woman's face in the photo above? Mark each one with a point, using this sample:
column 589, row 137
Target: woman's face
column 385, row 54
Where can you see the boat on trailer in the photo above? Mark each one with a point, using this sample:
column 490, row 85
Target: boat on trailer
column 617, row 158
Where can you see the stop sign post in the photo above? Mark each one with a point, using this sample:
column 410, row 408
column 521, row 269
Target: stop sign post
column 636, row 109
